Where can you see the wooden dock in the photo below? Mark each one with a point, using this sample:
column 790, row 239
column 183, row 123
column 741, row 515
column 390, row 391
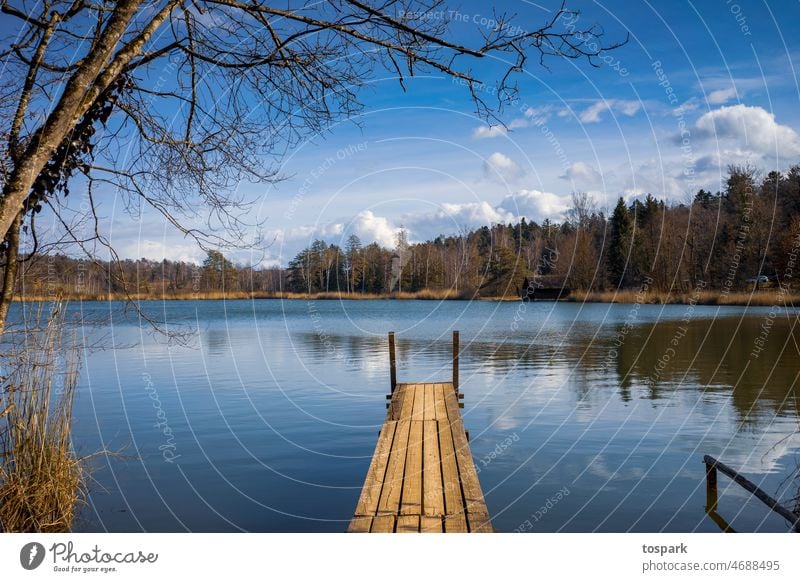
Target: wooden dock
column 422, row 477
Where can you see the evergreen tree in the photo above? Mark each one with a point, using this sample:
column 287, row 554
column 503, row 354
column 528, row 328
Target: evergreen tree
column 354, row 265
column 220, row 274
column 619, row 244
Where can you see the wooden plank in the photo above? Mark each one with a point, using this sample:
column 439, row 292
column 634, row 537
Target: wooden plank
column 429, row 411
column 477, row 513
column 409, row 395
column 453, row 500
column 422, row 476
column 408, row 524
column 382, row 524
column 412, row 480
column 419, row 402
column 455, row 523
column 396, row 405
column 432, row 488
column 371, row 492
column 439, row 405
column 360, row 524
column 389, row 503
column 430, row 524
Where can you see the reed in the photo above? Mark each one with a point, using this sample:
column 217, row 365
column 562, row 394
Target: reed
column 764, row 297
column 425, row 294
column 42, row 481
column 767, row 297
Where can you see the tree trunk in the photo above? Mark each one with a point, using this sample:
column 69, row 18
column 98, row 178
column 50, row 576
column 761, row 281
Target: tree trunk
column 10, row 271
column 94, row 76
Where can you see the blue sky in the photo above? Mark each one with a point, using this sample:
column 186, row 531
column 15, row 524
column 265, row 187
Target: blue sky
column 700, row 85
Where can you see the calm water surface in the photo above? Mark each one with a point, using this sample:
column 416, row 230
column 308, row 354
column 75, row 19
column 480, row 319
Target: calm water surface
column 265, row 419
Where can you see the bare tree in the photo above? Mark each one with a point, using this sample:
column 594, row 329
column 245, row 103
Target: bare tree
column 174, row 102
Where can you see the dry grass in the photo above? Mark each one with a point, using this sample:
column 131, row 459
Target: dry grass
column 425, row 294
column 766, row 297
column 41, row 480
column 763, row 297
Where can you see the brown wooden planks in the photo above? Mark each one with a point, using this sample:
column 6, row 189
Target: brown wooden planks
column 373, row 484
column 453, row 499
column 433, row 490
column 455, row 523
column 428, row 524
column 408, row 524
column 412, row 480
column 393, row 482
column 396, row 404
column 477, row 514
column 429, row 410
column 360, row 524
column 440, row 406
column 422, row 476
column 419, row 402
column 383, row 524
column 409, row 395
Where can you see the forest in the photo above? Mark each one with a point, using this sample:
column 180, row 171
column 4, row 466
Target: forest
column 721, row 241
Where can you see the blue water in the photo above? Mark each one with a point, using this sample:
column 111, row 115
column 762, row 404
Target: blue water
column 263, row 415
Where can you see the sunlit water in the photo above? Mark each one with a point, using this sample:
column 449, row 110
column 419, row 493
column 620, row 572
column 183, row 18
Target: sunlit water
column 581, row 417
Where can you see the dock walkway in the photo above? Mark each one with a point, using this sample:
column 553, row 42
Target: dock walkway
column 422, row 477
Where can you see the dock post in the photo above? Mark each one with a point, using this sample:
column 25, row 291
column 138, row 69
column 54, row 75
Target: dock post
column 392, row 362
column 455, row 361
column 713, row 465
column 711, row 488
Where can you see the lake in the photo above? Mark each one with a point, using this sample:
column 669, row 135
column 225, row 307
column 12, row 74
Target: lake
column 582, row 418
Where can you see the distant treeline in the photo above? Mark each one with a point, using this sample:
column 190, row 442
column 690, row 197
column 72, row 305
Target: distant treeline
column 717, row 241
column 51, row 275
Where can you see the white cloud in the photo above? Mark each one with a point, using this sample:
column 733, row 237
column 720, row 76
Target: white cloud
column 629, row 108
column 158, row 250
column 583, row 173
column 489, row 131
column 721, row 96
column 538, row 115
column 542, row 111
column 367, row 225
column 592, row 114
column 450, row 218
column 624, row 107
column 446, row 218
column 500, row 167
column 747, row 128
column 531, row 116
column 535, row 205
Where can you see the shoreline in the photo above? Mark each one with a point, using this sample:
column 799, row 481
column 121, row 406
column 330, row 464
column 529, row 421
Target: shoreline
column 764, row 298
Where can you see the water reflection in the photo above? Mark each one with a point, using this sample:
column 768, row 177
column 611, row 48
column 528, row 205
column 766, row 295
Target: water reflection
column 656, row 359
column 275, row 410
column 717, row 356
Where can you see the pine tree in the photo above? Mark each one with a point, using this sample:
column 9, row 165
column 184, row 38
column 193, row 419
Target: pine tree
column 354, row 267
column 619, row 244
column 220, row 273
